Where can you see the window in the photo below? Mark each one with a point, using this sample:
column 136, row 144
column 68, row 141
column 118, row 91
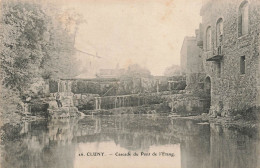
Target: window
column 243, row 19
column 242, row 65
column 208, row 39
column 219, row 35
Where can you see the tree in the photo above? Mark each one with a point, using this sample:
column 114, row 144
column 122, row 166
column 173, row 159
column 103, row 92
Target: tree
column 172, row 70
column 59, row 61
column 34, row 46
column 135, row 70
column 23, row 29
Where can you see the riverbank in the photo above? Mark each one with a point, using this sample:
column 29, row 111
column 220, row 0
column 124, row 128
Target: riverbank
column 231, row 121
column 17, row 113
column 18, row 117
column 156, row 109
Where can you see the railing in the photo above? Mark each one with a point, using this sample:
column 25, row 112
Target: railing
column 217, row 54
column 219, row 50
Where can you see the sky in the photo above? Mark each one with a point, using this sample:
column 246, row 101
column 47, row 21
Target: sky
column 123, row 32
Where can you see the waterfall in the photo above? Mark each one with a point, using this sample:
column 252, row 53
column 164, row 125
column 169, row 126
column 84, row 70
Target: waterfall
column 115, row 102
column 110, row 102
column 64, row 86
column 98, row 103
column 99, row 107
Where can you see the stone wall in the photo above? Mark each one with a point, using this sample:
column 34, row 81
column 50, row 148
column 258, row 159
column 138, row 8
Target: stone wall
column 194, row 62
column 190, row 56
column 195, row 82
column 187, row 104
column 191, row 63
column 232, row 91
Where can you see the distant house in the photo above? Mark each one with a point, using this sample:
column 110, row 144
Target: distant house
column 191, row 62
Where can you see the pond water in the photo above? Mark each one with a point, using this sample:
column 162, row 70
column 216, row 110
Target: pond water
column 128, row 141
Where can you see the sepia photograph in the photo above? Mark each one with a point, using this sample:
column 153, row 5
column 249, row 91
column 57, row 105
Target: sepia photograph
column 130, row 83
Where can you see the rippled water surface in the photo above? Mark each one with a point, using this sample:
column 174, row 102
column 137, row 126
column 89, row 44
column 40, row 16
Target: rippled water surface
column 108, row 141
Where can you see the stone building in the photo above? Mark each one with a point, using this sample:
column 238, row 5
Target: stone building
column 230, row 43
column 191, row 63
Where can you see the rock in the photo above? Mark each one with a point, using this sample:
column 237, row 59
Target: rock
column 67, row 102
column 63, row 112
column 213, row 116
column 53, row 104
column 77, row 96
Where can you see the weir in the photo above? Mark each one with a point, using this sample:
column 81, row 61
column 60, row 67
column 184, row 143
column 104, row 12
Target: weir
column 64, row 86
column 110, row 102
column 90, row 94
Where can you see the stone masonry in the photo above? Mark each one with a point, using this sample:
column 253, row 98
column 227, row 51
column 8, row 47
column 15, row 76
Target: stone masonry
column 228, row 38
column 191, row 64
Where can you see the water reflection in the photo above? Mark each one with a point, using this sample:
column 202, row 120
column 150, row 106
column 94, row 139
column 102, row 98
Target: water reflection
column 59, row 143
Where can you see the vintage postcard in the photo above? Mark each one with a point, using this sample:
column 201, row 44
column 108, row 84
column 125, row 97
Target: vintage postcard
column 130, row 83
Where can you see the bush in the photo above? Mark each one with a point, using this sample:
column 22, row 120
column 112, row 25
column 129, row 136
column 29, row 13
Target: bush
column 181, row 85
column 247, row 114
column 90, row 105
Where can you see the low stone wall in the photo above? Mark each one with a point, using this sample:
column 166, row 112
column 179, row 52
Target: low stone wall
column 187, row 104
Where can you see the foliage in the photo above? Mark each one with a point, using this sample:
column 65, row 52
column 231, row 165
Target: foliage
column 10, row 103
column 181, row 85
column 172, row 70
column 249, row 114
column 10, row 96
column 59, row 60
column 154, row 99
column 23, row 30
column 36, row 45
column 53, row 86
column 135, row 70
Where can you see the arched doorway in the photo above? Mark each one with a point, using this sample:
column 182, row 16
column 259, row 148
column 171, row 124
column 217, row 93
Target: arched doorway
column 207, row 90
